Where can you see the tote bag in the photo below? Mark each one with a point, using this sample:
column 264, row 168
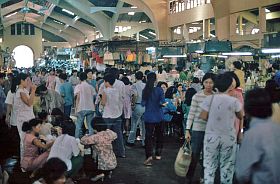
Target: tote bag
column 183, row 160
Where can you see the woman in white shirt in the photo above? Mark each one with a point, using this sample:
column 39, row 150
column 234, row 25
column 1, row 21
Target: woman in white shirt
column 220, row 141
column 23, row 105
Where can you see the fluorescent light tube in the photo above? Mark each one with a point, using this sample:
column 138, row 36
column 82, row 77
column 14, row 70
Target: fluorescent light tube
column 175, row 56
column 271, row 51
column 131, row 13
column 152, row 33
column 67, row 11
column 237, row 54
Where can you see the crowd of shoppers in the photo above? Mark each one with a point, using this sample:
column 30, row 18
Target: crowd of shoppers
column 55, row 116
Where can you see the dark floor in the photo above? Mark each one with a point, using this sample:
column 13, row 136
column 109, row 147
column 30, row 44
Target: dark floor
column 130, row 170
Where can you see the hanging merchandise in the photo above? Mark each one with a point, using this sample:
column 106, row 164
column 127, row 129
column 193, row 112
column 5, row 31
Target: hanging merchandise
column 147, row 58
column 140, row 58
column 129, row 56
column 173, row 61
column 108, row 58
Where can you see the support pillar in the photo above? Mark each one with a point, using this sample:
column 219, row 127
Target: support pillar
column 137, row 36
column 185, row 31
column 206, row 28
column 262, row 20
column 223, row 28
column 240, row 25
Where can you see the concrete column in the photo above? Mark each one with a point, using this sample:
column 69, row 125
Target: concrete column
column 206, row 28
column 185, row 31
column 240, row 26
column 262, row 20
column 223, row 28
column 137, row 36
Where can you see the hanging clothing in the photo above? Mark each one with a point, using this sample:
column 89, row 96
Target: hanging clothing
column 108, row 56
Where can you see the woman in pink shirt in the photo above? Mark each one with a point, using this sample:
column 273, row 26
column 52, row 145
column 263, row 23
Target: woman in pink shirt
column 32, row 160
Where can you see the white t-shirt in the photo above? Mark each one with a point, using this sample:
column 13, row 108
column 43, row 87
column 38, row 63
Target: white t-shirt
column 113, row 100
column 57, row 84
column 86, row 92
column 10, row 101
column 64, row 147
column 221, row 114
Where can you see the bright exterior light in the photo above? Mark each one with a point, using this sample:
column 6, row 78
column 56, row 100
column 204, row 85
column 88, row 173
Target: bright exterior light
column 267, row 11
column 142, row 21
column 152, row 33
column 271, row 51
column 175, row 56
column 237, row 54
column 144, row 36
column 12, row 14
column 23, row 56
column 67, row 11
column 86, row 40
column 131, row 13
column 43, row 39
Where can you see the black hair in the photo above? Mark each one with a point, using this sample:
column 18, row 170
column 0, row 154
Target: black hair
column 58, row 71
column 42, row 115
column 147, row 91
column 52, row 170
column 170, row 92
column 115, row 72
column 125, row 81
column 57, row 112
column 160, row 69
column 40, row 89
column 234, row 76
column 237, row 65
column 83, row 76
column 139, row 75
column 63, row 76
column 208, row 75
column 178, row 85
column 2, row 75
column 68, row 128
column 27, row 126
column 195, row 80
column 147, row 72
column 88, row 70
column 258, row 103
column 223, row 82
column 162, row 83
column 189, row 95
column 110, row 78
column 74, row 71
column 21, row 76
column 273, row 89
column 275, row 66
column 14, row 85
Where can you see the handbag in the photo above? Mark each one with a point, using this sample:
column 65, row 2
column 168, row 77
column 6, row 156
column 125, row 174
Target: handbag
column 204, row 115
column 183, row 160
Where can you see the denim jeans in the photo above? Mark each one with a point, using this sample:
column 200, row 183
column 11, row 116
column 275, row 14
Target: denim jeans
column 67, row 110
column 115, row 124
column 137, row 119
column 153, row 130
column 197, row 138
column 88, row 114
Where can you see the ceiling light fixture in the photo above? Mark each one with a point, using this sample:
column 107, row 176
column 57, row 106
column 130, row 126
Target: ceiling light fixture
column 237, row 54
column 133, row 7
column 7, row 16
column 271, row 51
column 144, row 36
column 58, row 22
column 152, row 33
column 131, row 13
column 175, row 56
column 67, row 11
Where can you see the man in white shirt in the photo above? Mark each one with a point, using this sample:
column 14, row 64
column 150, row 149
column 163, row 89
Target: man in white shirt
column 198, row 72
column 138, row 111
column 84, row 104
column 113, row 108
column 66, row 148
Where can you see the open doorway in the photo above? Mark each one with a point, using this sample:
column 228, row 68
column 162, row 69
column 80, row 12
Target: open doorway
column 23, row 56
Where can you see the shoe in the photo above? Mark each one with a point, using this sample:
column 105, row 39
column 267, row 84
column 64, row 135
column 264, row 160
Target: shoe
column 158, row 157
column 98, row 177
column 148, row 162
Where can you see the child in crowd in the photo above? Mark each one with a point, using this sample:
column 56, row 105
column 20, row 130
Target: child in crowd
column 46, row 127
column 31, row 160
column 102, row 142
